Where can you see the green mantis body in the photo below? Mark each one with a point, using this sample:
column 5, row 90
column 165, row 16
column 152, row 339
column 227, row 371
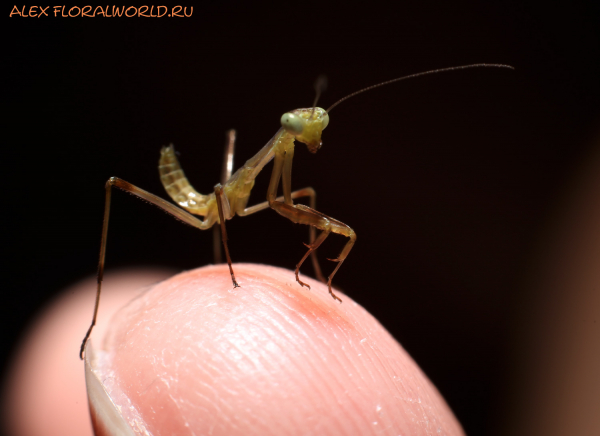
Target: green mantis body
column 230, row 197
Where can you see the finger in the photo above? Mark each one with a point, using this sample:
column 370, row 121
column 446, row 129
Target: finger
column 44, row 392
column 196, row 356
column 558, row 389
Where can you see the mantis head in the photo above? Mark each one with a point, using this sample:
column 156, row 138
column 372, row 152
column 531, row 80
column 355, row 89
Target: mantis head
column 306, row 125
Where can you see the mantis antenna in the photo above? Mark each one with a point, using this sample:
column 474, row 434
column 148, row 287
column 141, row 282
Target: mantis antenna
column 320, row 87
column 412, row 76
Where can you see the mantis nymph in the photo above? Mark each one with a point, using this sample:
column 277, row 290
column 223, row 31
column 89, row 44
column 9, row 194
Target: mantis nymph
column 230, row 197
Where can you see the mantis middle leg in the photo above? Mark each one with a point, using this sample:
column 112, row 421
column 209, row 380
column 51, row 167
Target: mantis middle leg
column 219, row 199
column 226, row 171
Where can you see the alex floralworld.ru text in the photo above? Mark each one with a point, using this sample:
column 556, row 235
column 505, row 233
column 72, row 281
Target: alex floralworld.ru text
column 101, row 11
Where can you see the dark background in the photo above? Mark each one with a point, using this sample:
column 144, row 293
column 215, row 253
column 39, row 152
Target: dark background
column 448, row 180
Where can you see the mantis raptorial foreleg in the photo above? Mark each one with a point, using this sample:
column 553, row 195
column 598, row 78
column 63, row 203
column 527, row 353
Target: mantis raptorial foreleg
column 306, row 192
column 169, row 208
column 301, row 214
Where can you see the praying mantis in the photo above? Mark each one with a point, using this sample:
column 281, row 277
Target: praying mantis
column 231, row 196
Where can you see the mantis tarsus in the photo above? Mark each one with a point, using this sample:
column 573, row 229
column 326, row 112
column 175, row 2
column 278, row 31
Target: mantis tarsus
column 230, row 197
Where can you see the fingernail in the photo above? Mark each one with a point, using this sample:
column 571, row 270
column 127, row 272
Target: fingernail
column 107, row 418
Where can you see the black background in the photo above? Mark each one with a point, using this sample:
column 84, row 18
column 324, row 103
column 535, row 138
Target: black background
column 447, row 180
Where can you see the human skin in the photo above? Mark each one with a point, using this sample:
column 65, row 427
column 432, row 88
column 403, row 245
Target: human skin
column 43, row 390
column 195, row 356
column 556, row 387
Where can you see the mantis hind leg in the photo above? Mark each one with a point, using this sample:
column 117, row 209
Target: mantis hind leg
column 171, row 209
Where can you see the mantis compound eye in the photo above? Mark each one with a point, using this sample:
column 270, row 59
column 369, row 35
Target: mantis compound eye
column 292, row 123
column 325, row 120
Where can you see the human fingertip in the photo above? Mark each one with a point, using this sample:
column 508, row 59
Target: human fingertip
column 269, row 357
